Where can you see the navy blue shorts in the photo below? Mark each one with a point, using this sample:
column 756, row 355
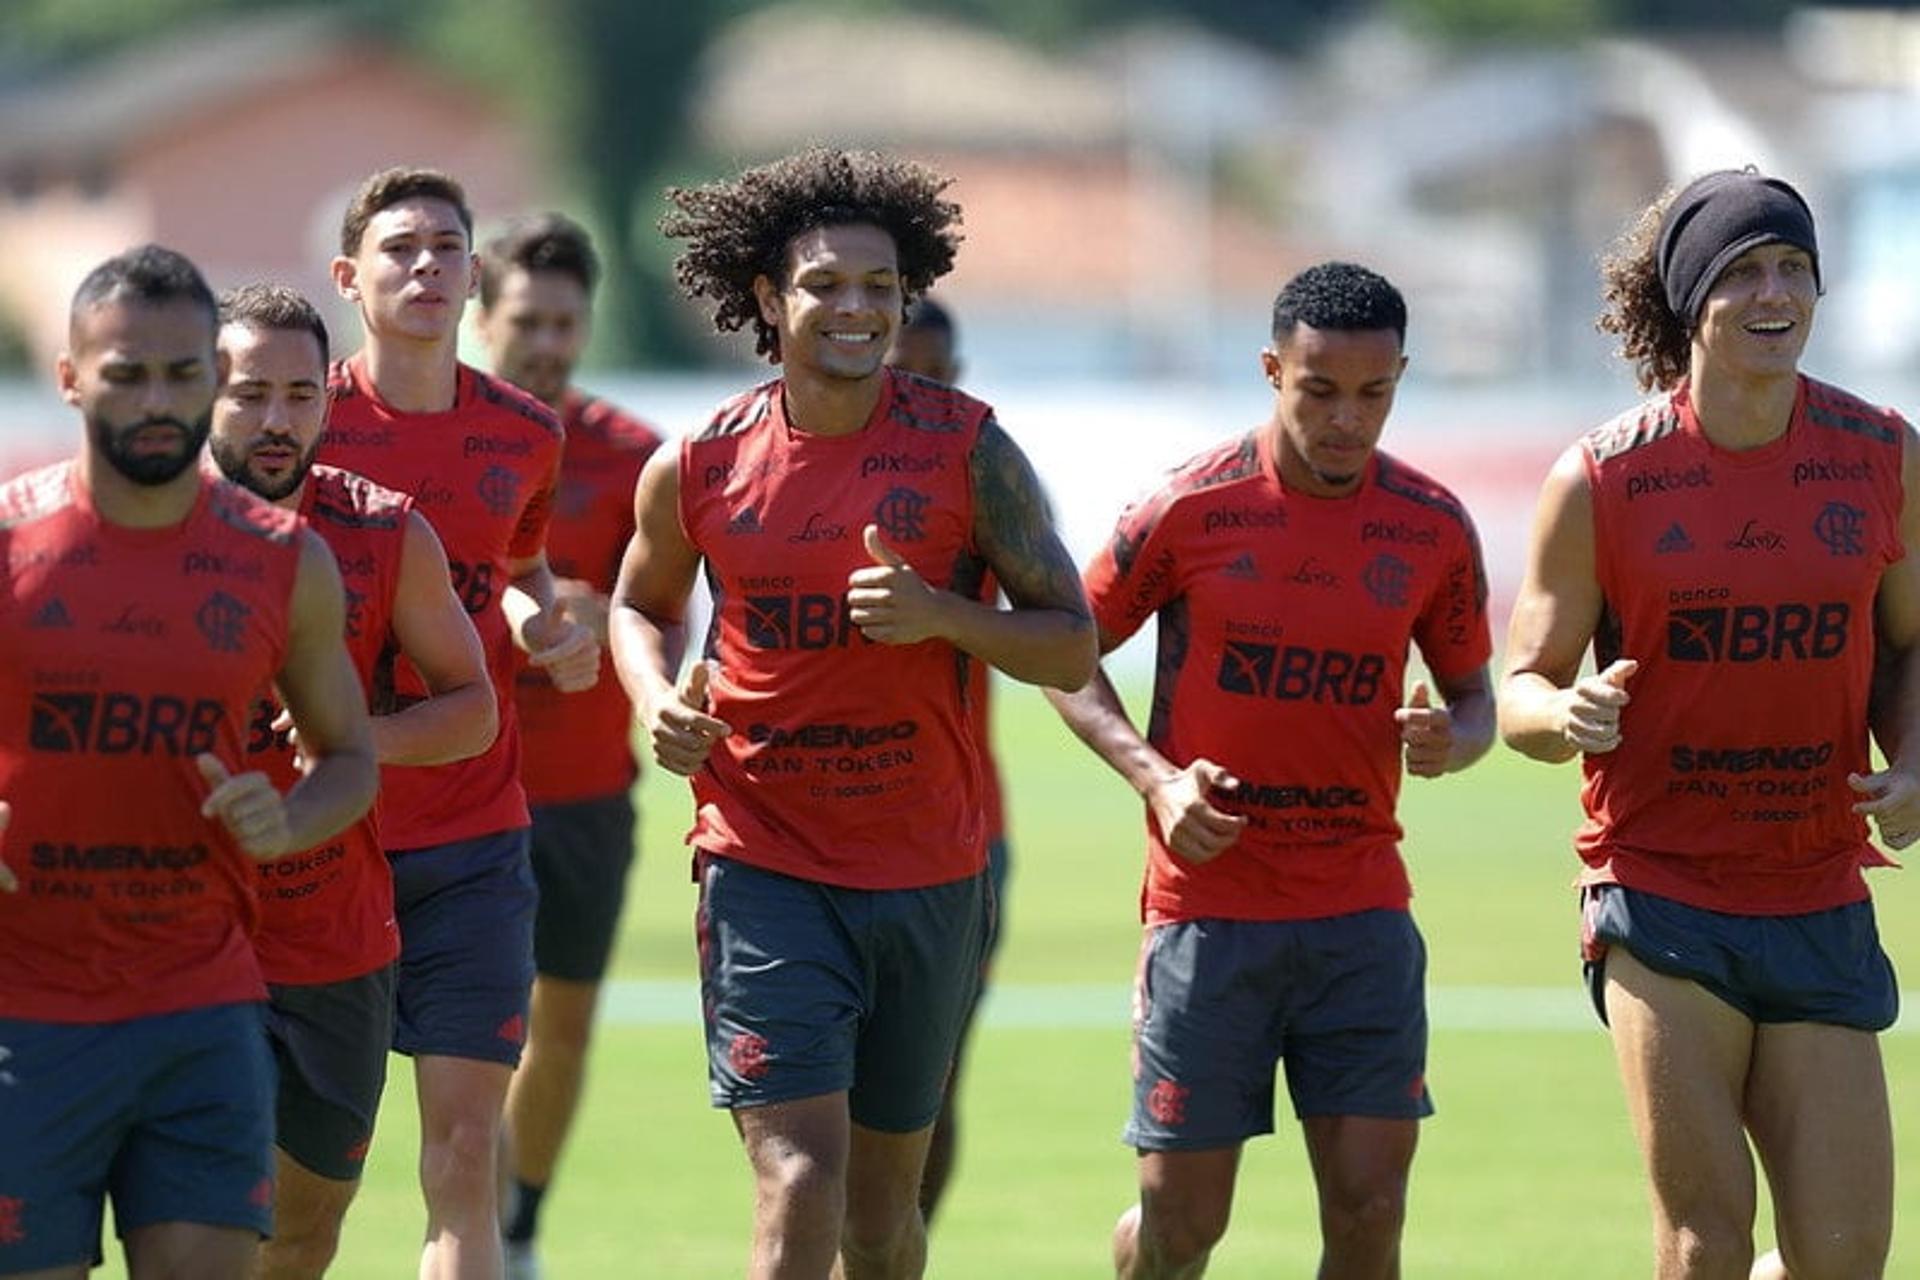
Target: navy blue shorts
column 1218, row 1003
column 999, row 866
column 330, row 1042
column 1824, row 966
column 581, row 854
column 810, row 989
column 466, row 948
column 171, row 1115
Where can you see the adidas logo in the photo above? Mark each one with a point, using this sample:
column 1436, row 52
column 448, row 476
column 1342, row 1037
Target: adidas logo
column 53, row 614
column 745, row 521
column 1241, row 566
column 1674, row 539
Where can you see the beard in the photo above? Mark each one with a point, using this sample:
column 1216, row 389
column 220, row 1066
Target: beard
column 150, row 470
column 232, row 461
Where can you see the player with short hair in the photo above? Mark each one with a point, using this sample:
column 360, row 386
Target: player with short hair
column 1290, row 569
column 480, row 459
column 536, row 299
column 1735, row 550
column 146, row 604
column 844, row 514
column 327, row 939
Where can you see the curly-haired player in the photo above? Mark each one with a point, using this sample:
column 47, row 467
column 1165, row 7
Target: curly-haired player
column 1737, row 552
column 845, row 513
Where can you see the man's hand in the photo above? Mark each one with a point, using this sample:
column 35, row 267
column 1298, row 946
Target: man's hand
column 682, row 732
column 888, row 601
column 1592, row 710
column 1892, row 801
column 247, row 805
column 1426, row 733
column 1189, row 824
column 565, row 648
column 585, row 606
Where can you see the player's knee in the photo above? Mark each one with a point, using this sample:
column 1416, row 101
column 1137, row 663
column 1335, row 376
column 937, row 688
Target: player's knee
column 796, row 1181
column 875, row 1236
column 1180, row 1231
column 301, row 1250
column 459, row 1158
column 1365, row 1212
column 1710, row 1246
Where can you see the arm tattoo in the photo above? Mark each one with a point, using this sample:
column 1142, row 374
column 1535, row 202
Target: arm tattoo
column 1013, row 527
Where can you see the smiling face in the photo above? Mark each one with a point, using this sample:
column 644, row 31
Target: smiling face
column 1334, row 389
column 413, row 271
column 1758, row 316
column 271, row 410
column 142, row 375
column 840, row 303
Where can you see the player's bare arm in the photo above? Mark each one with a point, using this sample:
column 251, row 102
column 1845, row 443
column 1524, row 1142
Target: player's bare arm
column 1545, row 711
column 648, row 624
column 1180, row 796
column 1891, row 797
column 319, row 686
column 459, row 716
column 1437, row 740
column 1047, row 637
column 545, row 629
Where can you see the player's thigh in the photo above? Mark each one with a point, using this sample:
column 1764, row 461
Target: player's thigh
column 1356, row 1024
column 801, row 1140
column 172, row 1250
column 924, row 949
column 1817, row 1109
column 305, row 1204
column 1207, row 1008
column 330, row 1043
column 581, row 854
column 1683, row 1055
column 1357, row 1159
column 71, row 1097
column 783, row 986
column 201, row 1151
column 466, row 948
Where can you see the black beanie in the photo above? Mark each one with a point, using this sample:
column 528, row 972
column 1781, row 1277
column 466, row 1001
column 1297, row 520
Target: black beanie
column 1717, row 218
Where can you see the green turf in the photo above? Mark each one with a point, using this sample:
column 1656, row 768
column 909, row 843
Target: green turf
column 1528, row 1171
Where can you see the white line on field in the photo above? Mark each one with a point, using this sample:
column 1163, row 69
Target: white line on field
column 1035, row 1006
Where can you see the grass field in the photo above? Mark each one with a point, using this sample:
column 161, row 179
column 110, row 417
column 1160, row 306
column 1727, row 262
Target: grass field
column 1528, row 1171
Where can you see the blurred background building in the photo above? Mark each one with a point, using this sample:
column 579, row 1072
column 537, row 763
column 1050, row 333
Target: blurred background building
column 1138, row 177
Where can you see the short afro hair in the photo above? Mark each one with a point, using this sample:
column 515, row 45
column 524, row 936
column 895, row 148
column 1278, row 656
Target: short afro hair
column 740, row 229
column 1339, row 296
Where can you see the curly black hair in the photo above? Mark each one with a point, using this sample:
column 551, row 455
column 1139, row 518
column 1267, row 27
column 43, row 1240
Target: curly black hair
column 1339, row 296
column 740, row 229
column 1654, row 340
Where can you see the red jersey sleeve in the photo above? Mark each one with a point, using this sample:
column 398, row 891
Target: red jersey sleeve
column 1133, row 575
column 1453, row 632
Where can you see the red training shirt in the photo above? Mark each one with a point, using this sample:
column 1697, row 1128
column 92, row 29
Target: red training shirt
column 851, row 762
column 326, row 914
column 483, row 473
column 578, row 746
column 1743, row 583
column 128, row 652
column 1284, row 625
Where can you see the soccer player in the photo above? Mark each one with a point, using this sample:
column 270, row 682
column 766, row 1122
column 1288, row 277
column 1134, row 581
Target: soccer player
column 926, row 345
column 146, row 604
column 1290, row 569
column 845, row 514
column 1734, row 551
column 536, row 296
column 480, row 460
column 327, row 938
